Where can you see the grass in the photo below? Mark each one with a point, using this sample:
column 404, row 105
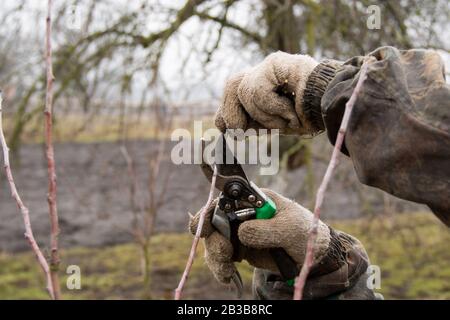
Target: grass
column 102, row 128
column 113, row 272
column 411, row 250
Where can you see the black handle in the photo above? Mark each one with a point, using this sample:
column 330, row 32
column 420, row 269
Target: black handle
column 286, row 265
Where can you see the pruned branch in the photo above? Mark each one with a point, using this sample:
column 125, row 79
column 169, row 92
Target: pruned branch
column 309, row 258
column 24, row 210
column 49, row 152
column 179, row 289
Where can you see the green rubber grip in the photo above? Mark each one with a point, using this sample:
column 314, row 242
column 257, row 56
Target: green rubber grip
column 290, row 282
column 267, row 211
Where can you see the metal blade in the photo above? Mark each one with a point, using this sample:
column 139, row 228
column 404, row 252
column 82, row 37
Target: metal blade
column 209, row 172
column 227, row 164
column 224, row 170
column 221, row 222
column 237, row 280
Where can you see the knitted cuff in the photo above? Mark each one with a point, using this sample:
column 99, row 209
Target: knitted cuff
column 316, row 85
column 333, row 258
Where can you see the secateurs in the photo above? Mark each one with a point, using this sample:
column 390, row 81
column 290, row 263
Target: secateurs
column 241, row 200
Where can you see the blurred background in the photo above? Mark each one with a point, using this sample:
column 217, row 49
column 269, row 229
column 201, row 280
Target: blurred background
column 127, row 73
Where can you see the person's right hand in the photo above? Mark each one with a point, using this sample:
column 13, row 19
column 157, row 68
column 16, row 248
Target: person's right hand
column 252, row 98
column 288, row 229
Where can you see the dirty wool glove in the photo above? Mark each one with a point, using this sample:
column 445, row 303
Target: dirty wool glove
column 288, row 230
column 278, row 93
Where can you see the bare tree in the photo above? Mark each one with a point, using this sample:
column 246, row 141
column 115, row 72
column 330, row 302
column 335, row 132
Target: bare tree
column 321, row 28
column 145, row 208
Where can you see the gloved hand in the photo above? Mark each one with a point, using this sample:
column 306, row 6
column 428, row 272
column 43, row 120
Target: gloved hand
column 254, row 94
column 289, row 230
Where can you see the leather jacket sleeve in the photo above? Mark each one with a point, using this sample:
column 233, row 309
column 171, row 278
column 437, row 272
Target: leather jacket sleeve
column 399, row 132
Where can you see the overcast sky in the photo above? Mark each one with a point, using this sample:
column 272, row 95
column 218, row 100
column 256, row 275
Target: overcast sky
column 195, row 83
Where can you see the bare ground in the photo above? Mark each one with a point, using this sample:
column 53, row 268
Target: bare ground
column 93, row 193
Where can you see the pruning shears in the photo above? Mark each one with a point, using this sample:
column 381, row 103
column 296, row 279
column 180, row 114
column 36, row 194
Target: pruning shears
column 241, row 200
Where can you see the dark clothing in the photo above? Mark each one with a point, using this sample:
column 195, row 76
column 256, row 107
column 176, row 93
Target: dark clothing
column 267, row 287
column 341, row 274
column 398, row 136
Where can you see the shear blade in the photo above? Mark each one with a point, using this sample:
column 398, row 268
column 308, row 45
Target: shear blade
column 227, row 163
column 225, row 169
column 237, row 280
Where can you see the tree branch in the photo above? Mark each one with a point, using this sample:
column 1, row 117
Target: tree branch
column 49, row 152
column 309, row 258
column 24, row 210
column 179, row 289
column 226, row 23
column 404, row 38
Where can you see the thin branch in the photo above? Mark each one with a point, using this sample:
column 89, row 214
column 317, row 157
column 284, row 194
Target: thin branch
column 179, row 289
column 210, row 52
column 226, row 23
column 24, row 210
column 185, row 12
column 309, row 258
column 49, row 152
column 167, row 177
column 400, row 20
column 137, row 210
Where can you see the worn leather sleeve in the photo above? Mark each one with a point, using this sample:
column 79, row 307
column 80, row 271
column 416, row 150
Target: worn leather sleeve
column 334, row 277
column 399, row 132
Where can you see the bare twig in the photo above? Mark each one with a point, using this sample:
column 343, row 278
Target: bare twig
column 144, row 216
column 24, row 210
column 301, row 279
column 51, row 197
column 226, row 23
column 190, row 261
column 136, row 209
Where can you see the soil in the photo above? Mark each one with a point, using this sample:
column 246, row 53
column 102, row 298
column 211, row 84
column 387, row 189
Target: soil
column 94, row 193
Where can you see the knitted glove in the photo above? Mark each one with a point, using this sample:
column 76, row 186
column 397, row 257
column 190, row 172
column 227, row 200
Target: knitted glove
column 282, row 92
column 288, row 230
column 269, row 95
